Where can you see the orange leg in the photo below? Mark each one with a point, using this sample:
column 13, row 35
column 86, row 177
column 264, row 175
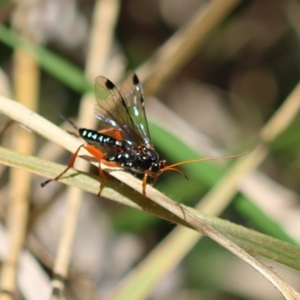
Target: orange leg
column 107, row 163
column 98, row 156
column 70, row 165
column 154, row 181
column 117, row 134
column 144, row 184
column 101, row 173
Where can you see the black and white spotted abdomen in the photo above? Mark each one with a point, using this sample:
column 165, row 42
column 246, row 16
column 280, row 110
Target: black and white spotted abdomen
column 95, row 138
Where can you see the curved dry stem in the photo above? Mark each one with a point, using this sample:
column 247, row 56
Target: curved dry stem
column 287, row 291
column 254, row 242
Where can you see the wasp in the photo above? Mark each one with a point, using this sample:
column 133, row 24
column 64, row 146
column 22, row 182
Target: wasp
column 124, row 139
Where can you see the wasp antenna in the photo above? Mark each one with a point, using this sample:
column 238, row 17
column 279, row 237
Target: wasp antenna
column 69, row 121
column 170, row 168
column 208, row 159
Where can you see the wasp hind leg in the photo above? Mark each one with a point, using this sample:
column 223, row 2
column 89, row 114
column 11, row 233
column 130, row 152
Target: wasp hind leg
column 101, row 173
column 70, row 165
column 116, row 133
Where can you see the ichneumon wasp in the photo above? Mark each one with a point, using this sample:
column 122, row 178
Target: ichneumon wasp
column 124, row 140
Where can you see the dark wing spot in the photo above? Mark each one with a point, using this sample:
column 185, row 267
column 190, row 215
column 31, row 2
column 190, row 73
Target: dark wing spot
column 135, row 79
column 109, row 84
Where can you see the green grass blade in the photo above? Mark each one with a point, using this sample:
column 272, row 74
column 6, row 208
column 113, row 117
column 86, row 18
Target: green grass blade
column 50, row 62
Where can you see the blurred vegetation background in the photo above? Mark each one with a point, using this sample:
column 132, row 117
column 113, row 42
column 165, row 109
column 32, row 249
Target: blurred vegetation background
column 214, row 101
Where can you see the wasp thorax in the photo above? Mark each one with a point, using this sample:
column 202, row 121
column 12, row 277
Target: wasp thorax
column 149, row 154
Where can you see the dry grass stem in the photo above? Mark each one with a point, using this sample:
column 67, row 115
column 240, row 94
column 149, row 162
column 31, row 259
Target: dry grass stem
column 26, row 88
column 182, row 46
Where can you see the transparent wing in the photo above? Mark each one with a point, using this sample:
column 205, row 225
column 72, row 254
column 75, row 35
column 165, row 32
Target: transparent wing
column 123, row 112
column 132, row 93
